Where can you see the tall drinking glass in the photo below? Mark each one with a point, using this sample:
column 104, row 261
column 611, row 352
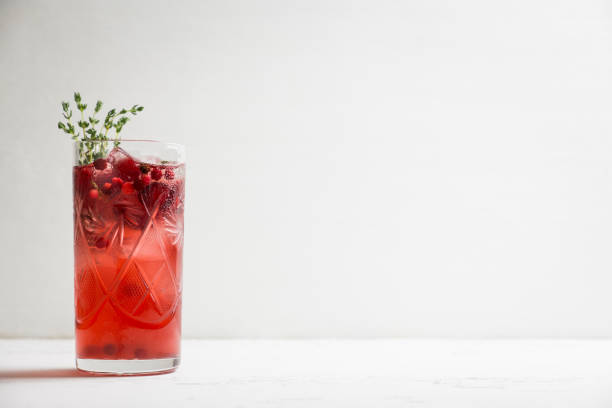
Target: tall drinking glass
column 128, row 248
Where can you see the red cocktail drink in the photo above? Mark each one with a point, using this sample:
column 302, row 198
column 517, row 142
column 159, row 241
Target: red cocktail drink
column 128, row 245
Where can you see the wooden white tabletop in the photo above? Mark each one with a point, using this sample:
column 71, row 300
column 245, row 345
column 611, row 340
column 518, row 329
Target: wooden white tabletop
column 324, row 373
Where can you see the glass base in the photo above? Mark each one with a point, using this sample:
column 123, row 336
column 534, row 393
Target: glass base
column 128, row 367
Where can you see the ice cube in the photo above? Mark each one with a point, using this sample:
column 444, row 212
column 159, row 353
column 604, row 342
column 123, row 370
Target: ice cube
column 124, row 165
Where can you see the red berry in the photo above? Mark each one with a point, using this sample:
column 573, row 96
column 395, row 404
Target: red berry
column 116, row 183
column 146, row 179
column 156, row 174
column 169, row 174
column 127, row 188
column 100, row 164
column 107, row 187
column 127, row 168
column 101, row 242
column 93, row 193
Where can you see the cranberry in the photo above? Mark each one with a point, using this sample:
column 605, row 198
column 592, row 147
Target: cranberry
column 127, row 168
column 100, row 164
column 116, row 184
column 127, row 188
column 146, row 179
column 93, row 194
column 101, row 242
column 109, row 349
column 106, row 187
column 156, row 174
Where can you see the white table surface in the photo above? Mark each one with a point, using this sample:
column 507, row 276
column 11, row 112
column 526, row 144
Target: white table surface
column 324, row 373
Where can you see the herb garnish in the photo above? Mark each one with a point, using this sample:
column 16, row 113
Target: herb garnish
column 87, row 135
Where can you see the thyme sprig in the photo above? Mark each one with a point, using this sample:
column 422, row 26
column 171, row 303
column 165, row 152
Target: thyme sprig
column 89, row 147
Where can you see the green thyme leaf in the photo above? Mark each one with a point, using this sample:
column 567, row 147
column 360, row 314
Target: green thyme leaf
column 93, row 144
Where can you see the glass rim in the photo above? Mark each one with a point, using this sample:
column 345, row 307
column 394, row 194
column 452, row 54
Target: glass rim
column 131, row 140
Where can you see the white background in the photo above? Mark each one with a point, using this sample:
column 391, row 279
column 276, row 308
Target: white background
column 355, row 169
